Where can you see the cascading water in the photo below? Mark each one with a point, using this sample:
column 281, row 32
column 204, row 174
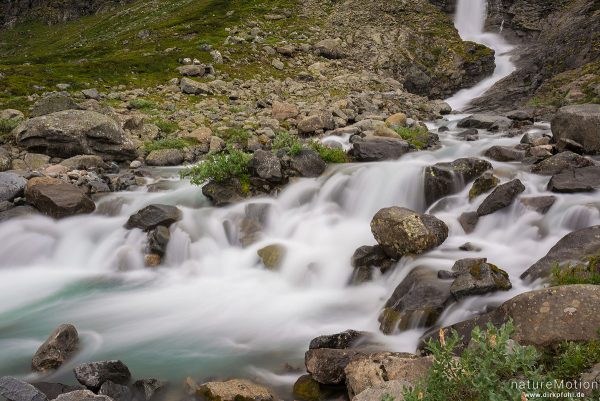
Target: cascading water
column 470, row 22
column 213, row 310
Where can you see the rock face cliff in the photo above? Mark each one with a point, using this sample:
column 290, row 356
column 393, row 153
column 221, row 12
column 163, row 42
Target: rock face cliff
column 51, row 11
column 559, row 65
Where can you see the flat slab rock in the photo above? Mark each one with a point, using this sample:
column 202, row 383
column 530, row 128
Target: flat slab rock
column 586, row 179
column 17, row 390
column 153, row 216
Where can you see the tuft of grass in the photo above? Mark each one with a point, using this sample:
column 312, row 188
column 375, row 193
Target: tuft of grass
column 166, row 127
column 235, row 136
column 287, row 142
column 7, row 125
column 220, row 167
column 141, row 104
column 584, row 273
column 415, row 136
column 569, row 359
column 330, row 155
column 169, row 143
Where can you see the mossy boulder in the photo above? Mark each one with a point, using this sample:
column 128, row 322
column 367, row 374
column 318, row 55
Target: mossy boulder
column 477, row 277
column 272, row 256
column 483, row 184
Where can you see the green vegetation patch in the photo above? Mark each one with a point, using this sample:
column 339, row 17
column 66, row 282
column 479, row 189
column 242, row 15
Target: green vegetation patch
column 220, row 167
column 330, row 155
column 7, row 125
column 583, row 273
column 288, row 143
column 418, row 136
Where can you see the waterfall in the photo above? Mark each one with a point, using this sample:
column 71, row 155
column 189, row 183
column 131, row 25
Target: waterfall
column 470, row 22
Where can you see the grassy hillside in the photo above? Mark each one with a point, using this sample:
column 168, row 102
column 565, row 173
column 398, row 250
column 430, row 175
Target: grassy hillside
column 106, row 50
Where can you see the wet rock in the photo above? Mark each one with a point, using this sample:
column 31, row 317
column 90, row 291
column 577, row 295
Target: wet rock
column 307, row 163
column 152, row 260
column 418, row 301
column 343, row 340
column 483, row 184
column 469, row 135
column 223, row 193
column 60, row 346
column 469, row 247
column 372, row 370
column 117, row 392
column 153, row 216
column 368, row 259
column 16, row 390
column 326, row 365
column 147, row 389
column 406, row 231
column 468, row 221
column 574, row 248
column 272, row 256
column 541, row 152
column 443, row 179
column 379, row 148
column 234, row 390
column 53, row 390
column 401, row 231
column 477, row 277
column 11, row 186
column 586, row 179
column 315, row 122
column 282, row 111
column 75, row 132
column 503, row 196
column 542, row 318
column 53, row 103
column 579, row 123
column 540, row 204
column 158, row 240
column 535, row 139
column 165, row 157
column 16, row 212
column 490, row 122
column 266, row 166
column 308, row 389
column 505, row 153
column 94, row 374
column 82, row 395
column 57, row 198
column 85, row 162
column 562, row 161
column 191, row 87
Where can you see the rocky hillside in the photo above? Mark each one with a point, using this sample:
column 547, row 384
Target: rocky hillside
column 51, row 11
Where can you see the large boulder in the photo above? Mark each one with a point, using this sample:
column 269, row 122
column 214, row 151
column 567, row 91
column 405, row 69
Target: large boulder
column 153, row 216
column 224, row 193
column 13, row 389
column 52, row 103
column 60, row 346
column 146, row 389
column 572, row 249
column 443, row 179
column 505, row 153
column 267, row 166
column 234, row 390
column 282, row 111
column 502, row 196
column 192, row 87
column 117, row 392
column 560, row 162
column 94, row 374
column 315, row 122
column 365, row 372
column 586, row 179
column 542, row 318
column 326, row 365
column 417, row 301
column 491, row 122
column 579, row 123
column 57, row 198
column 372, row 149
column 165, row 157
column 75, row 132
column 366, row 260
column 307, row 163
column 477, row 277
column 11, row 186
column 401, row 231
column 483, row 184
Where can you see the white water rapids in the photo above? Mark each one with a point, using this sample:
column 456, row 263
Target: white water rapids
column 213, row 310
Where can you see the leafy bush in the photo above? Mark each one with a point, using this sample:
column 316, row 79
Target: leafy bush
column 569, row 359
column 330, row 155
column 7, row 125
column 288, row 143
column 416, row 136
column 220, row 167
column 141, row 104
column 237, row 136
column 484, row 370
column 170, row 143
column 585, row 273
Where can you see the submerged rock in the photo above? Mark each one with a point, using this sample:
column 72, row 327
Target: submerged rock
column 94, row 374
column 540, row 204
column 117, row 392
column 401, row 231
column 272, row 256
column 60, row 346
column 561, row 162
column 443, row 179
column 368, row 259
column 485, row 183
column 586, row 179
column 153, row 216
column 503, row 196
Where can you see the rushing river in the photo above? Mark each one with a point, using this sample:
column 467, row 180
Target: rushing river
column 213, row 310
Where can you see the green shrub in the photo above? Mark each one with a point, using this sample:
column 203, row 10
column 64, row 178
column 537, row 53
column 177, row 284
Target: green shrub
column 417, row 136
column 236, row 136
column 166, row 127
column 483, row 372
column 584, row 273
column 569, row 359
column 387, row 397
column 170, row 143
column 141, row 104
column 330, row 155
column 288, row 143
column 7, row 125
column 220, row 167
